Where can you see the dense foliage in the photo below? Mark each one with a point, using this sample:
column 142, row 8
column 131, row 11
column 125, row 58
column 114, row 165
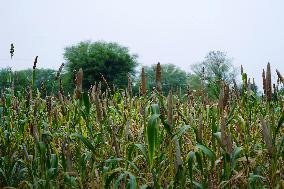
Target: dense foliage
column 111, row 139
column 173, row 78
column 21, row 79
column 215, row 67
column 97, row 59
column 111, row 62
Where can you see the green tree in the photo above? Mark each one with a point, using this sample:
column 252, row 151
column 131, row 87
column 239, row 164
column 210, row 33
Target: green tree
column 111, row 60
column 22, row 79
column 172, row 77
column 5, row 77
column 215, row 68
column 194, row 81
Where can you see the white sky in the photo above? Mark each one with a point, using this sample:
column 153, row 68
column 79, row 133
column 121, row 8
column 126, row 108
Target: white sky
column 180, row 32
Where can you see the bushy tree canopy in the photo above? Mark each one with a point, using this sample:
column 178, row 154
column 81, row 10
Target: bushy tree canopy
column 217, row 67
column 172, row 77
column 97, row 59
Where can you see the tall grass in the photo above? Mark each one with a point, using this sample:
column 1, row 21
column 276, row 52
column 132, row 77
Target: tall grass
column 112, row 139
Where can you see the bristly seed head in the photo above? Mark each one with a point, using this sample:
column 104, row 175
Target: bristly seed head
column 35, row 62
column 129, row 84
column 264, row 82
column 12, row 50
column 79, row 83
column 268, row 83
column 59, row 71
column 158, row 77
column 143, row 80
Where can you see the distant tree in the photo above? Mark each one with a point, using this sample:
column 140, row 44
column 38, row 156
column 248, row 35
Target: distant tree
column 111, row 60
column 5, row 77
column 172, row 77
column 194, row 81
column 22, row 79
column 217, row 68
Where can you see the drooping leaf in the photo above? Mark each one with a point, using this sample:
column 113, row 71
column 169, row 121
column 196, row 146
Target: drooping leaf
column 208, row 152
column 86, row 141
column 132, row 180
column 143, row 150
column 118, row 180
column 217, row 135
column 235, row 154
column 180, row 132
column 110, row 178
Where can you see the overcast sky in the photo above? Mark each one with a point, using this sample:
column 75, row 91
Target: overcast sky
column 181, row 32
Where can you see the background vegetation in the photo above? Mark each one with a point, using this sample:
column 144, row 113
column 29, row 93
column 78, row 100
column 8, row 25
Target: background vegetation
column 111, row 62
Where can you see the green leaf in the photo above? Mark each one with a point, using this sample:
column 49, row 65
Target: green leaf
column 231, row 114
column 132, row 180
column 111, row 160
column 54, row 161
column 117, row 182
column 197, row 185
column 86, row 103
column 281, row 144
column 199, row 162
column 51, row 172
column 209, row 153
column 3, row 175
column 143, row 150
column 152, row 136
column 42, row 148
column 180, row 132
column 1, row 110
column 166, row 125
column 145, row 186
column 63, row 159
column 133, row 165
column 110, row 178
column 235, row 154
column 190, row 165
column 217, row 135
column 155, row 108
column 86, row 141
